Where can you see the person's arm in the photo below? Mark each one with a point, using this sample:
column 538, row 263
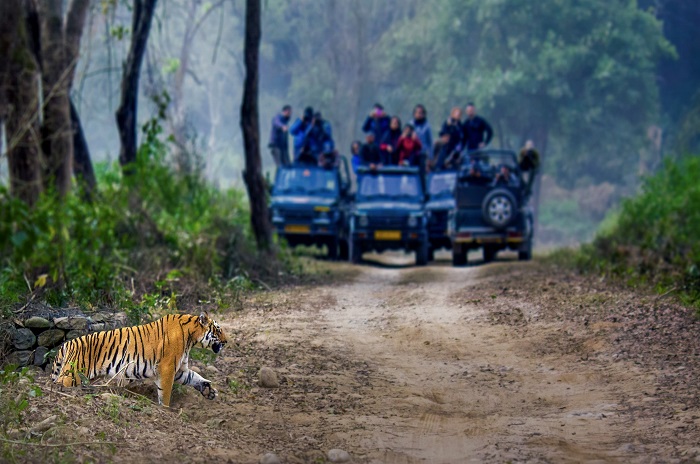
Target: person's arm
column 277, row 122
column 367, row 126
column 429, row 141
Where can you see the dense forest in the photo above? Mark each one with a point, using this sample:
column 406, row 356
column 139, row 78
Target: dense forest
column 607, row 90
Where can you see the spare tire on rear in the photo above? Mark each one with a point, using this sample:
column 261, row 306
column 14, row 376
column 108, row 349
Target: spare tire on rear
column 499, row 208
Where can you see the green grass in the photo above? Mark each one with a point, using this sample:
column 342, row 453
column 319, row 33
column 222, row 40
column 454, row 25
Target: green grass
column 654, row 237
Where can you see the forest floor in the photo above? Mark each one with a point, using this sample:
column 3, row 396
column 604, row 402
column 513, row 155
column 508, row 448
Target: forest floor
column 505, row 362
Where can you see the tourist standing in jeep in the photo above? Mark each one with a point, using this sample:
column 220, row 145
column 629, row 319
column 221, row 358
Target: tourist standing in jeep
column 279, row 144
column 476, row 131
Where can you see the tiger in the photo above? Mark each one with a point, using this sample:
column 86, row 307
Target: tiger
column 160, row 349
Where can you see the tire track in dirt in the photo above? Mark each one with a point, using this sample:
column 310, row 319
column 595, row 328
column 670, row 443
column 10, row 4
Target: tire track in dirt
column 459, row 387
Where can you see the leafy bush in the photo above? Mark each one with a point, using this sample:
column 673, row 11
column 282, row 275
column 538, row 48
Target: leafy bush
column 654, row 237
column 145, row 239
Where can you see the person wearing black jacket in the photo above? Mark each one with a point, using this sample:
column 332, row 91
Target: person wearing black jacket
column 476, row 131
column 370, row 154
column 451, row 137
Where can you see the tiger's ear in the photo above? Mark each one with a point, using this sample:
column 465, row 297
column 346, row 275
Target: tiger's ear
column 204, row 318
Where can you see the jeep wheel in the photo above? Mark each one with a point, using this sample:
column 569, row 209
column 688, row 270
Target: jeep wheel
column 344, row 252
column 332, row 245
column 355, row 252
column 459, row 256
column 499, row 208
column 431, row 253
column 422, row 253
column 489, row 254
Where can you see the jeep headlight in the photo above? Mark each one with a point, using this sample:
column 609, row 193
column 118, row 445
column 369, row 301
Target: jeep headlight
column 412, row 221
column 277, row 215
column 322, row 215
column 362, row 220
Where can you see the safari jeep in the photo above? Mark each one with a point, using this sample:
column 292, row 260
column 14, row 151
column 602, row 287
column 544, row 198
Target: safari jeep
column 441, row 200
column 309, row 206
column 492, row 211
column 389, row 213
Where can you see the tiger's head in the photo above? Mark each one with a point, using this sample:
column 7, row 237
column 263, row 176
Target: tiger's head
column 213, row 337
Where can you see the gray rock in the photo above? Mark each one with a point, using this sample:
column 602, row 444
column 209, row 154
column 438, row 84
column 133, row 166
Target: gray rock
column 23, row 338
column 72, row 334
column 20, row 358
column 37, row 322
column 40, row 356
column 71, row 323
column 97, row 326
column 45, row 425
column 51, row 337
column 338, row 455
column 268, row 378
column 270, row 458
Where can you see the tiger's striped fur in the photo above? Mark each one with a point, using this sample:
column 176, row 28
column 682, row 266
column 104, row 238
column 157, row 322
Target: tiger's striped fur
column 160, row 349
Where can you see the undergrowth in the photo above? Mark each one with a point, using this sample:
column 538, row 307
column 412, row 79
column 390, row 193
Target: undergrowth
column 152, row 241
column 653, row 238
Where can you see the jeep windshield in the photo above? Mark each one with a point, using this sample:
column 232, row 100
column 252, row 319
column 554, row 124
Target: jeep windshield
column 306, row 181
column 383, row 186
column 442, row 184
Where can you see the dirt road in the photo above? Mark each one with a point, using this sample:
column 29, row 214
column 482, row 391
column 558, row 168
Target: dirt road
column 508, row 362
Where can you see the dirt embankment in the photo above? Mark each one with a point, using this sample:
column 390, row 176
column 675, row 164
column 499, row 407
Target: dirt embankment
column 505, row 362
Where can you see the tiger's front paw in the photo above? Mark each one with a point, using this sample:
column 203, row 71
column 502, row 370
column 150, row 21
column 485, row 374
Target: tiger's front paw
column 208, row 391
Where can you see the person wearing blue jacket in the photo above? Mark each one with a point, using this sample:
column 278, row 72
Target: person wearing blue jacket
column 422, row 129
column 377, row 122
column 299, row 131
column 356, row 159
column 279, row 146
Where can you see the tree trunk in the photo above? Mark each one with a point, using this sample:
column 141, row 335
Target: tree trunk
column 57, row 140
column 82, row 164
column 19, row 103
column 127, row 111
column 250, row 126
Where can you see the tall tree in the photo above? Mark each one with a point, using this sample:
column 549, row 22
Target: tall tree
column 60, row 46
column 250, row 126
column 19, row 102
column 127, row 111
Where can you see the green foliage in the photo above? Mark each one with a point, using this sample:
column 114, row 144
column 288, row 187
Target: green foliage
column 18, row 388
column 654, row 237
column 143, row 238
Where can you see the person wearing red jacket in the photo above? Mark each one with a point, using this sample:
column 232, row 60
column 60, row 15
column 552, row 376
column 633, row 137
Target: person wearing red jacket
column 409, row 147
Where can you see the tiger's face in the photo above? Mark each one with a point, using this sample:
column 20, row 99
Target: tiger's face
column 214, row 337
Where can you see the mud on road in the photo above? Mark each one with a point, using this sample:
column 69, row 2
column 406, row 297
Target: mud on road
column 506, row 362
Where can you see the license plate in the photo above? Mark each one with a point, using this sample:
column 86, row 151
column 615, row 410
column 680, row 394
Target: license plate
column 292, row 229
column 387, row 235
column 489, row 240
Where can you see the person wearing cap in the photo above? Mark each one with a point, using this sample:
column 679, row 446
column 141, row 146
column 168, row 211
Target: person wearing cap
column 279, row 143
column 377, row 122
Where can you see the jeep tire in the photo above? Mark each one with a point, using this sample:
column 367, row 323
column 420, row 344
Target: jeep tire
column 343, row 249
column 499, row 208
column 422, row 253
column 355, row 252
column 459, row 255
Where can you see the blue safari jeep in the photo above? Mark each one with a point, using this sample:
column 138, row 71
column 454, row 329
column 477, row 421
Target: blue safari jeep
column 389, row 213
column 492, row 210
column 309, row 206
column 441, row 201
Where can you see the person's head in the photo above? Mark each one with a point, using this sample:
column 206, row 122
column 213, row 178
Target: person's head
column 355, row 147
column 369, row 138
column 287, row 111
column 318, row 117
column 308, row 113
column 395, row 123
column 505, row 170
column 419, row 113
column 529, row 145
column 456, row 113
column 470, row 110
column 408, row 130
column 378, row 110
